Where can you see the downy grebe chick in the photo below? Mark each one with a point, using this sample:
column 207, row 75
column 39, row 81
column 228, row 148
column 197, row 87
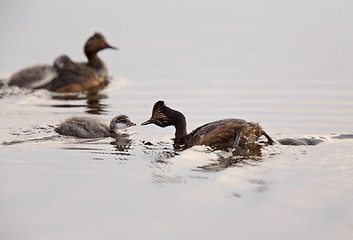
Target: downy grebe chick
column 73, row 77
column 33, row 77
column 85, row 127
column 220, row 134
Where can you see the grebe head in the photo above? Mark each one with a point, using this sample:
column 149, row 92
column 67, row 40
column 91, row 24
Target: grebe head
column 95, row 44
column 62, row 62
column 120, row 122
column 163, row 116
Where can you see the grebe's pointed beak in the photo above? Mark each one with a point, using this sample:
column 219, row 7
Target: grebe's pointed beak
column 109, row 46
column 148, row 122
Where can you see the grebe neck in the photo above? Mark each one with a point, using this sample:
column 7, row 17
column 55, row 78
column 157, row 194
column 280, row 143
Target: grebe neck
column 96, row 63
column 179, row 123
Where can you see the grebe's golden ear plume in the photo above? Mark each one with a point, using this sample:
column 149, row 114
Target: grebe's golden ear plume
column 158, row 105
column 158, row 115
column 158, row 112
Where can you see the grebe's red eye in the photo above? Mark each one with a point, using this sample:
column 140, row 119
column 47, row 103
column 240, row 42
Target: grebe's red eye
column 102, row 43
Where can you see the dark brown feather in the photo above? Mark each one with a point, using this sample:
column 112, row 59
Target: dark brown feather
column 226, row 133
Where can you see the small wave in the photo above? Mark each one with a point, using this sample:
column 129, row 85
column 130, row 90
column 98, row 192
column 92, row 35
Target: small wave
column 344, row 136
column 301, row 141
column 30, row 140
column 311, row 141
column 33, row 134
column 2, row 82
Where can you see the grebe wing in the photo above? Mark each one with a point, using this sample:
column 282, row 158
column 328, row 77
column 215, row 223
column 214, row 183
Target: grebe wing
column 200, row 131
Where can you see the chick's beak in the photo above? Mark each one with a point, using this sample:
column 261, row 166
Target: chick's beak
column 131, row 124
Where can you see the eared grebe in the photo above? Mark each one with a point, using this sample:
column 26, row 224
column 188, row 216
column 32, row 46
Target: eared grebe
column 65, row 75
column 220, row 134
column 85, row 127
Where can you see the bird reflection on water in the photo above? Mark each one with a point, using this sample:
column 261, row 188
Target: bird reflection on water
column 252, row 155
column 226, row 158
column 162, row 153
column 122, row 145
column 170, row 165
column 93, row 101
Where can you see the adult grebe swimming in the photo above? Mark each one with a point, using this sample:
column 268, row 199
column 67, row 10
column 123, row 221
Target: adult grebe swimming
column 86, row 127
column 220, row 134
column 65, row 75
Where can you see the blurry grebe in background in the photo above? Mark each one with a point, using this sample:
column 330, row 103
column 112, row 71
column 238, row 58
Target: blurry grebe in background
column 65, row 75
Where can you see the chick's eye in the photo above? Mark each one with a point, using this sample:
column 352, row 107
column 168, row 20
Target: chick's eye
column 101, row 43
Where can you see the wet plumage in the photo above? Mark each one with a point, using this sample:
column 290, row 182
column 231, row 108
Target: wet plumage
column 218, row 134
column 86, row 127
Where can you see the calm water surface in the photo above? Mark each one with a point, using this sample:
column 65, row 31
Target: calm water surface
column 283, row 65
